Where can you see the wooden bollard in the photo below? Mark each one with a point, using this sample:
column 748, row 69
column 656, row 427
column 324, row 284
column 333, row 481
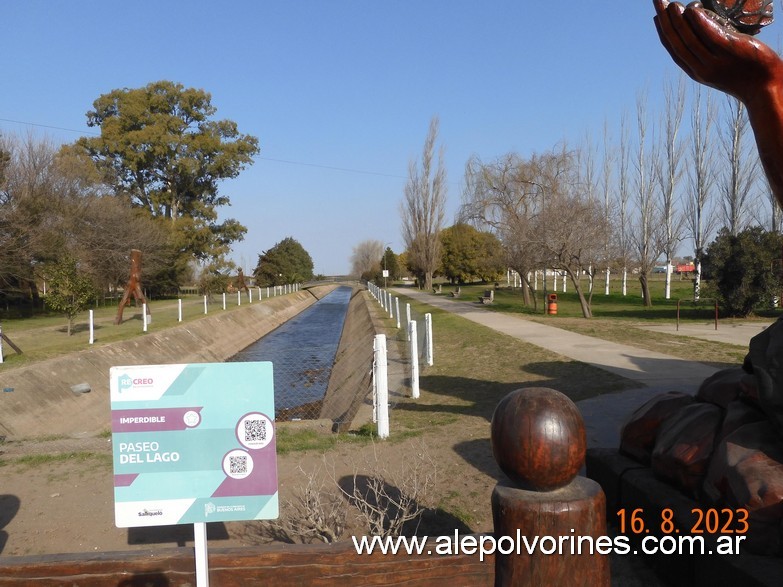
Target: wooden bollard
column 539, row 442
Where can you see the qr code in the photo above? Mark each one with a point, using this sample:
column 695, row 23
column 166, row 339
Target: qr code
column 237, row 465
column 255, row 430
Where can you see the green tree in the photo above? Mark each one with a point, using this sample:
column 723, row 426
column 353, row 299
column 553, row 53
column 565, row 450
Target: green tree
column 744, row 269
column 70, row 289
column 214, row 278
column 470, row 254
column 390, row 263
column 160, row 148
column 286, row 262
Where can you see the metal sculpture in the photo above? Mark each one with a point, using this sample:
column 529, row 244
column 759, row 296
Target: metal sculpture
column 133, row 288
column 240, row 281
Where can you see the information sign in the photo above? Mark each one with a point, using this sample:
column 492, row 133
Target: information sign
column 193, row 443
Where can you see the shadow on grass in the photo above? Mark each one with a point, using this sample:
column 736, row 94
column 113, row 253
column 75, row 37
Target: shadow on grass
column 78, row 328
column 478, row 454
column 379, row 496
column 476, row 397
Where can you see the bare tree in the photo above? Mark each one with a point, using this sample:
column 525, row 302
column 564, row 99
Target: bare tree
column 623, row 233
column 496, row 198
column 646, row 234
column 543, row 211
column 669, row 173
column 740, row 167
column 31, row 212
column 699, row 219
column 366, row 257
column 423, row 209
column 588, row 186
column 606, row 189
column 570, row 230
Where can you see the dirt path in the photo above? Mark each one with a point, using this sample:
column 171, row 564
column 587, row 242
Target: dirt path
column 51, row 502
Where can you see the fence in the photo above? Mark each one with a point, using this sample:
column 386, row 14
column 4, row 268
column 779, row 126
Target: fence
column 310, row 385
column 409, row 349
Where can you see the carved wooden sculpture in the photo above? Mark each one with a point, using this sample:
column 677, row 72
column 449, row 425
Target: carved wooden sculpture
column 134, row 286
column 725, row 447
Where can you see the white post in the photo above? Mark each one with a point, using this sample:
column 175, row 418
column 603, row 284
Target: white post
column 144, row 317
column 554, row 281
column 202, row 560
column 249, row 296
column 408, row 316
column 391, row 306
column 397, row 305
column 565, row 281
column 92, row 327
column 535, row 280
column 428, row 337
column 205, row 304
column 267, row 291
column 179, row 310
column 239, row 297
column 412, row 336
column 606, row 282
column 224, row 300
column 259, row 294
column 382, row 385
column 1, row 345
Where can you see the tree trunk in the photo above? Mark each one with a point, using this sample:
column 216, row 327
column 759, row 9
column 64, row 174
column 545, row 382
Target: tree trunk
column 697, row 282
column 645, row 290
column 587, row 312
column 528, row 293
column 668, row 285
column 428, row 281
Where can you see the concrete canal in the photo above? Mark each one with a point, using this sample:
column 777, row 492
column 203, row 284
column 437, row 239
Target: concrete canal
column 303, row 352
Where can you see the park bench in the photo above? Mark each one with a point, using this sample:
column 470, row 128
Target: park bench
column 488, row 297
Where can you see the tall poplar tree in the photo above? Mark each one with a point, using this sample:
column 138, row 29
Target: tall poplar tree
column 423, row 208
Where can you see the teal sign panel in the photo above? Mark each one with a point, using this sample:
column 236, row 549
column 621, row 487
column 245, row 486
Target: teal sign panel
column 193, row 443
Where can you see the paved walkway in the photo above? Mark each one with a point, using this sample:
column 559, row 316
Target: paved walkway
column 604, row 415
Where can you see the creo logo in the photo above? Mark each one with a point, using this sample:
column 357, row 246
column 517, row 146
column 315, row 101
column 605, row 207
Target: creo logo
column 125, row 382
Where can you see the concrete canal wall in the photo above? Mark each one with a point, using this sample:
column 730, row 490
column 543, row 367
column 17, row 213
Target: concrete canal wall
column 43, row 404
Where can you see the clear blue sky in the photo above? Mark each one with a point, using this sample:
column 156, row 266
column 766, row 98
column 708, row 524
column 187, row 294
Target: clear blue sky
column 340, row 93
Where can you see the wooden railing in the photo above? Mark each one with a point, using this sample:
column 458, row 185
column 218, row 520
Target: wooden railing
column 278, row 565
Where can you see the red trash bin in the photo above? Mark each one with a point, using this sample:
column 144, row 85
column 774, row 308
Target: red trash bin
column 551, row 304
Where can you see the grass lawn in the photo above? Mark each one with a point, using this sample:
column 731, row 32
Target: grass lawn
column 622, row 318
column 45, row 336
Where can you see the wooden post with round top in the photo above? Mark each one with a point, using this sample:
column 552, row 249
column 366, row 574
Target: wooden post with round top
column 538, row 440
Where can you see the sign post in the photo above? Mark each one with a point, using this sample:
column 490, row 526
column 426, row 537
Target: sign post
column 193, row 444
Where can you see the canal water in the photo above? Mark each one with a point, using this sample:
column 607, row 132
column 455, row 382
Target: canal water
column 302, row 352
